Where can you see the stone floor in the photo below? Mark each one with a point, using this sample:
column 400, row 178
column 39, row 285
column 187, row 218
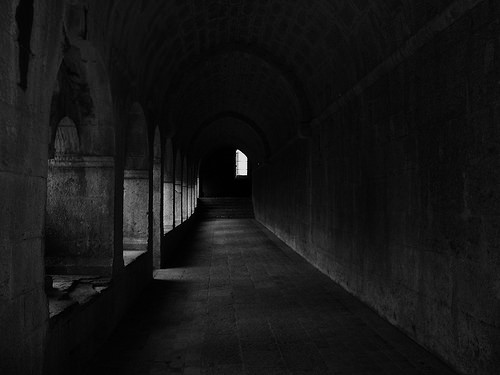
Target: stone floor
column 238, row 301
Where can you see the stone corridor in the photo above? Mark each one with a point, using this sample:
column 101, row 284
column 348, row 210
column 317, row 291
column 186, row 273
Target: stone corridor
column 365, row 135
column 239, row 301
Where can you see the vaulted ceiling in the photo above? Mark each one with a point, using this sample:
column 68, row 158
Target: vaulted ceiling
column 273, row 65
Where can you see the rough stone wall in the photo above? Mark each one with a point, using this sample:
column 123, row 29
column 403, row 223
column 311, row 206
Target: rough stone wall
column 178, row 191
column 80, row 214
column 192, row 190
column 136, row 184
column 168, row 188
column 35, row 37
column 157, row 212
column 402, row 202
column 135, row 209
column 184, row 191
column 23, row 169
column 168, row 211
column 281, row 195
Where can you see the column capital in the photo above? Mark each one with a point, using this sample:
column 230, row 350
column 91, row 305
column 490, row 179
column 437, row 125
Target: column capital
column 136, row 174
column 83, row 162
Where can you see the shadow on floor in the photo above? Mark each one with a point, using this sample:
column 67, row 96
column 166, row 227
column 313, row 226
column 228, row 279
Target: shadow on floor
column 175, row 247
column 239, row 303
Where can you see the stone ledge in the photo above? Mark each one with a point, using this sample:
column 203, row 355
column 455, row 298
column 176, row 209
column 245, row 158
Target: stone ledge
column 77, row 331
column 84, row 162
column 132, row 174
column 69, row 291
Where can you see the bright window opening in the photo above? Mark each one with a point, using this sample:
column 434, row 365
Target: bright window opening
column 241, row 164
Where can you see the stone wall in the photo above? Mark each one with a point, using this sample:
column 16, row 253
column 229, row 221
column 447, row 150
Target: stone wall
column 77, row 333
column 23, row 168
column 135, row 209
column 79, row 229
column 396, row 195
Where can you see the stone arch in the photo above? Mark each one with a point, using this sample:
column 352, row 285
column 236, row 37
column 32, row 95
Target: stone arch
column 264, row 143
column 79, row 230
column 66, row 140
column 232, row 132
column 24, row 21
column 251, row 88
column 257, row 52
column 71, row 96
column 205, row 152
column 217, row 168
column 82, row 92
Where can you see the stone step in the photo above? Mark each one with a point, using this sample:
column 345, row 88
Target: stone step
column 225, row 208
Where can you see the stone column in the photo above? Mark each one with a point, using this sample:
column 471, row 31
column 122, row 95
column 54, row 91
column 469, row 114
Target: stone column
column 168, row 203
column 178, row 198
column 193, row 187
column 190, row 198
column 156, row 210
column 191, row 192
column 135, row 210
column 197, row 190
column 23, row 303
column 185, row 202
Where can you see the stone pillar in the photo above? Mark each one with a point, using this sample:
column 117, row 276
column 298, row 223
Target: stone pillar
column 135, row 210
column 190, row 198
column 194, row 190
column 178, row 202
column 187, row 207
column 23, row 303
column 197, row 190
column 156, row 210
column 168, row 203
column 184, row 200
column 191, row 192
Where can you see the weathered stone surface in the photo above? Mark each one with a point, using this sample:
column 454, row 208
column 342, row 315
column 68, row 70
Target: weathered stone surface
column 80, row 213
column 157, row 212
column 178, row 190
column 168, row 187
column 168, row 214
column 371, row 125
column 250, row 305
column 135, row 210
column 395, row 195
column 93, row 306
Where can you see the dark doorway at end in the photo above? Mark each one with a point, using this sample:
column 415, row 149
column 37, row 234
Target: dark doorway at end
column 218, row 175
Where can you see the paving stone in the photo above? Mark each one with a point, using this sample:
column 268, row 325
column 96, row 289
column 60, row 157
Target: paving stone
column 280, row 316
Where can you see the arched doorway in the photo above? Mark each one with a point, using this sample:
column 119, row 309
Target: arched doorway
column 221, row 174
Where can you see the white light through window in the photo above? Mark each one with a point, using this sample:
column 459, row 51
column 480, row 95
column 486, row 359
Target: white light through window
column 241, row 164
